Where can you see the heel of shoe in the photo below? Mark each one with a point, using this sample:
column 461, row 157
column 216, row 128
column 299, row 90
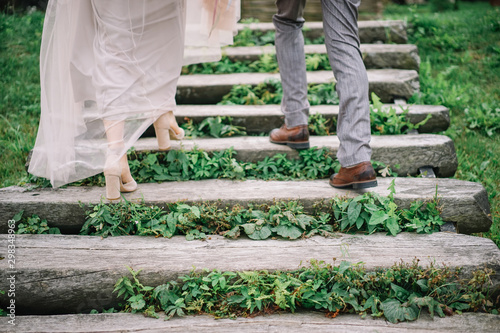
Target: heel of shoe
column 357, row 186
column 112, row 174
column 163, row 137
column 298, row 145
column 112, row 187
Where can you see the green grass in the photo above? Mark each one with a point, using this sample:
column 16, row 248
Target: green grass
column 460, row 53
column 20, row 38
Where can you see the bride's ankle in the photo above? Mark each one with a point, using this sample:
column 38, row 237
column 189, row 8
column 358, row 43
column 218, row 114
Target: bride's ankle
column 126, row 175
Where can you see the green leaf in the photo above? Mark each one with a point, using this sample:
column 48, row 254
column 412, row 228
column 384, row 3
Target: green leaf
column 18, row 216
column 196, row 211
column 371, row 303
column 431, row 304
column 236, row 299
column 359, row 223
column 344, row 223
column 151, row 159
column 304, row 221
column 249, row 228
column 378, row 218
column 286, row 231
column 54, row 231
column 344, row 265
column 233, row 233
column 401, row 293
column 423, row 284
column 256, row 233
column 353, row 212
column 395, row 312
column 460, row 306
column 137, row 302
column 393, row 226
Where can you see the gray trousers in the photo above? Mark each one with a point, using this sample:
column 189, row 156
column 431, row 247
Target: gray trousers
column 342, row 43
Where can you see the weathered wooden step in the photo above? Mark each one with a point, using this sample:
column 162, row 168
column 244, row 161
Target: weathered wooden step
column 464, row 203
column 388, row 84
column 73, row 274
column 263, row 118
column 281, row 322
column 404, row 153
column 400, row 56
column 369, row 31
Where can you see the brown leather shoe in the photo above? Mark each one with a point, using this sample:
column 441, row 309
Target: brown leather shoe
column 296, row 137
column 361, row 175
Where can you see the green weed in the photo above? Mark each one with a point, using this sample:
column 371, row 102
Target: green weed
column 224, row 66
column 267, row 63
column 33, row 225
column 247, row 37
column 399, row 293
column 317, row 62
column 268, row 92
column 388, row 121
column 485, row 118
column 319, row 125
column 216, row 127
column 271, row 92
column 367, row 213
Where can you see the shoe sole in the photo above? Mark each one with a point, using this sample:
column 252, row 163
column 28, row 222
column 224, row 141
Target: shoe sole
column 357, row 186
column 294, row 145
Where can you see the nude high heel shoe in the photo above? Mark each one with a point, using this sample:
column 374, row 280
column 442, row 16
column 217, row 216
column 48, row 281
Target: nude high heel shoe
column 166, row 128
column 113, row 173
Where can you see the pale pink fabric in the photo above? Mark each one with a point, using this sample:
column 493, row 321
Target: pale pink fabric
column 116, row 60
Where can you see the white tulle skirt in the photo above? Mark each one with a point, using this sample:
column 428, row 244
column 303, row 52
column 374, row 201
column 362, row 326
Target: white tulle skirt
column 116, row 62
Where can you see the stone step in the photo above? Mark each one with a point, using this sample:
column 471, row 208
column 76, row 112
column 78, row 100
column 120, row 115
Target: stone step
column 388, row 84
column 281, row 322
column 400, row 56
column 464, row 203
column 369, row 31
column 405, row 154
column 58, row 274
column 263, row 118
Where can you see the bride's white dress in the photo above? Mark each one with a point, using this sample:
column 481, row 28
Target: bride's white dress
column 117, row 61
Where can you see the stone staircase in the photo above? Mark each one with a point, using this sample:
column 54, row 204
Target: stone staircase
column 60, row 275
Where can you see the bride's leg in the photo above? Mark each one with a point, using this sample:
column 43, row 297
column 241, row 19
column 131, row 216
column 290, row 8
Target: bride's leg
column 166, row 128
column 114, row 134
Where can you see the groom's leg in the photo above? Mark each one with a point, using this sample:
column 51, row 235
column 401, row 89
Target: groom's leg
column 353, row 127
column 342, row 43
column 289, row 43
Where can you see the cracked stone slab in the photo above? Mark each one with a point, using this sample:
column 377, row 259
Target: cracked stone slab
column 74, row 274
column 401, row 56
column 405, row 154
column 263, row 118
column 464, row 203
column 388, row 84
column 374, row 31
column 281, row 322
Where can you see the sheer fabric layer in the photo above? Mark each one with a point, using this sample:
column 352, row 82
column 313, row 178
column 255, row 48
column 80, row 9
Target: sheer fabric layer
column 115, row 62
